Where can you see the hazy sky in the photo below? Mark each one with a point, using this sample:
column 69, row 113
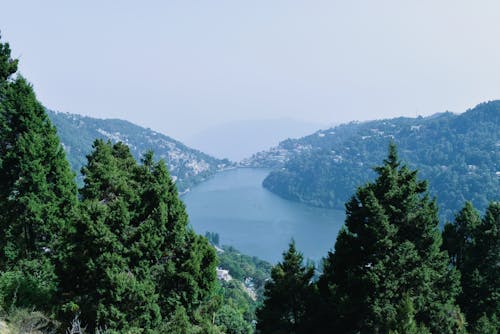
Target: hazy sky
column 181, row 66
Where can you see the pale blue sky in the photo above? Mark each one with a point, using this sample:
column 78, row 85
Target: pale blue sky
column 181, row 66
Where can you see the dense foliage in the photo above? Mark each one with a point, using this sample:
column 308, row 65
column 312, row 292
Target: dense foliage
column 244, row 267
column 390, row 250
column 390, row 271
column 132, row 260
column 37, row 193
column 186, row 166
column 458, row 154
column 119, row 258
column 244, row 292
column 288, row 297
column 474, row 247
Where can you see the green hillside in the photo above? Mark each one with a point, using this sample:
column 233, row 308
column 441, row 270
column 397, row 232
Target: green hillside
column 458, row 154
column 187, row 166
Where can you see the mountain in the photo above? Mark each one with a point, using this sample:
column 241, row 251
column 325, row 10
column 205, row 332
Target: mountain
column 239, row 139
column 187, row 166
column 458, row 154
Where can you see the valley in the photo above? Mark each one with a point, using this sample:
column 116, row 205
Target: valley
column 249, row 168
column 298, row 188
column 187, row 166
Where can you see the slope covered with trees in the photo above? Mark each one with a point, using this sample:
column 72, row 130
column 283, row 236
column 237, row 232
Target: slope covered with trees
column 458, row 154
column 187, row 166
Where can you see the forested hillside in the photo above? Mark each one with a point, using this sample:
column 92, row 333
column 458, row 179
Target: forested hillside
column 186, row 166
column 458, row 154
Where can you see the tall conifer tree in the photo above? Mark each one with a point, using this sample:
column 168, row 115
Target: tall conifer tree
column 474, row 247
column 390, row 248
column 134, row 259
column 459, row 237
column 481, row 272
column 105, row 286
column 288, row 297
column 37, row 191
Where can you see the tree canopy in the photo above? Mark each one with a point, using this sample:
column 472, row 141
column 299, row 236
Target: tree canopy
column 387, row 273
column 134, row 257
column 474, row 247
column 37, row 192
column 287, row 296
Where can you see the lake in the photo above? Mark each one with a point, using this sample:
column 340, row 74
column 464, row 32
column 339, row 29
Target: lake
column 257, row 222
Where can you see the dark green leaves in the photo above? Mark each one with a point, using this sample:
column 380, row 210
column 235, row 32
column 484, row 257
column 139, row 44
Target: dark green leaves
column 387, row 272
column 474, row 247
column 288, row 296
column 37, row 194
column 134, row 258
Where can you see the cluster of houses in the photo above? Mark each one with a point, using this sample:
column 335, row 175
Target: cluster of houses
column 223, row 275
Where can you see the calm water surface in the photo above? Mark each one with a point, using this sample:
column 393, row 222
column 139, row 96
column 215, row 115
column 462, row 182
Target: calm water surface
column 257, row 222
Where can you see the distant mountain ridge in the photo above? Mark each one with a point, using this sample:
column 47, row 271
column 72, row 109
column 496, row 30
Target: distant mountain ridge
column 458, row 153
column 239, row 139
column 187, row 166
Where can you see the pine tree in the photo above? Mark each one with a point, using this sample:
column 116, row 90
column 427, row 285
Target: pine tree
column 186, row 261
column 37, row 192
column 287, row 297
column 459, row 236
column 481, row 271
column 389, row 248
column 104, row 285
column 134, row 258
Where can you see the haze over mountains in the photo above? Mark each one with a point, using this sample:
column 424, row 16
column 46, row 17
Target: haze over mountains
column 187, row 166
column 240, row 139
